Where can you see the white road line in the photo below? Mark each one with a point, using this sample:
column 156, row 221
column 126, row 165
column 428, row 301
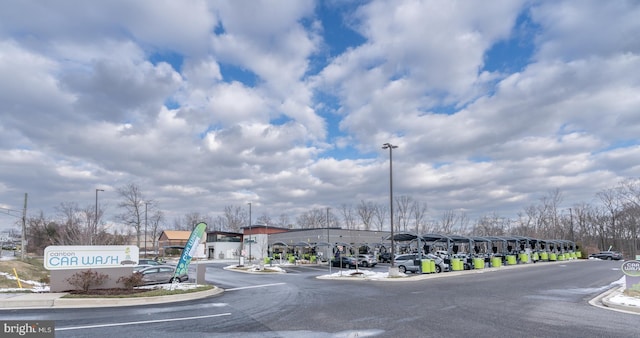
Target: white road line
column 254, row 286
column 140, row 322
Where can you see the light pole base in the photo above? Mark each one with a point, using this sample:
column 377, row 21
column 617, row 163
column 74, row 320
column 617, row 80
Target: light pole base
column 394, row 271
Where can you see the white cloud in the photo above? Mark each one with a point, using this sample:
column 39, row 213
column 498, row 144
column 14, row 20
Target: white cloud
column 111, row 93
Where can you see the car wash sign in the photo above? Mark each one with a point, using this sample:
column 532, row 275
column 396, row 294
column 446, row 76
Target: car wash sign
column 60, row 257
column 632, row 271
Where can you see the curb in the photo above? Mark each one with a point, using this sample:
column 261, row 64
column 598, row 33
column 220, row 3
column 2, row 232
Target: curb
column 56, row 300
column 622, row 307
column 419, row 276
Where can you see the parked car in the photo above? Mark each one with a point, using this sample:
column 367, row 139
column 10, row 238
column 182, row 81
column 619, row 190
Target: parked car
column 345, row 262
column 385, row 257
column 161, row 274
column 149, row 262
column 440, row 263
column 367, row 260
column 406, row 263
column 608, row 255
column 141, row 266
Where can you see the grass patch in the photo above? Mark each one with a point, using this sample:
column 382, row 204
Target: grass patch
column 143, row 293
column 632, row 293
column 31, row 269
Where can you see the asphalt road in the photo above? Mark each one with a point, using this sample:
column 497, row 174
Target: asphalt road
column 541, row 300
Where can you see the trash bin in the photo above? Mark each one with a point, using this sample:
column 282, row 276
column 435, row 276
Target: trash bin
column 553, row 257
column 496, row 262
column 478, row 263
column 524, row 258
column 579, row 254
column 544, row 256
column 425, row 266
column 535, row 257
column 511, row 260
column 456, row 264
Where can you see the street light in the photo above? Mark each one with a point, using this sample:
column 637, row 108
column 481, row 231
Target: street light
column 145, row 228
column 391, row 147
column 329, row 254
column 96, row 223
column 249, row 231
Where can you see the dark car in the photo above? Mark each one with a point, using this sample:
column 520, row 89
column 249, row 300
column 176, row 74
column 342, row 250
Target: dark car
column 608, row 255
column 345, row 262
column 161, row 274
column 148, row 262
column 385, row 257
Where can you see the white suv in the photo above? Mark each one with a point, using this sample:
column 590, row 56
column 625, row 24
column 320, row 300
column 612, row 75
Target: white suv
column 367, row 260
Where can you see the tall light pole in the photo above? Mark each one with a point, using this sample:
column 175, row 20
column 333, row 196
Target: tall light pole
column 391, row 147
column 249, row 231
column 145, row 227
column 328, row 243
column 95, row 226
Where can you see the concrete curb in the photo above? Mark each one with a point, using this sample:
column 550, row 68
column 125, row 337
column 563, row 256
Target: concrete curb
column 416, row 277
column 605, row 299
column 55, row 300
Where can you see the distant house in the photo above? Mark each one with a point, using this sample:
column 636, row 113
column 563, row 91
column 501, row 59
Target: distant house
column 175, row 240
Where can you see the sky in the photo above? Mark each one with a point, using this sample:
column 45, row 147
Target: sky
column 286, row 104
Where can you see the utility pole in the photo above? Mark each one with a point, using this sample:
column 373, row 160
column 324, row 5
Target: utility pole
column 23, row 245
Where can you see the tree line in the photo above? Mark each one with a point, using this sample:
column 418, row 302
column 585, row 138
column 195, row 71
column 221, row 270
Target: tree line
column 611, row 221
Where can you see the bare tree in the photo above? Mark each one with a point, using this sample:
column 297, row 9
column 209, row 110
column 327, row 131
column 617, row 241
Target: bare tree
column 380, row 216
column 189, row 221
column 611, row 201
column 283, row 221
column 264, row 219
column 133, row 208
column 156, row 220
column 41, row 233
column 491, row 225
column 447, row 222
column 348, row 216
column 365, row 212
column 402, row 211
column 236, row 217
column 418, row 211
column 311, row 219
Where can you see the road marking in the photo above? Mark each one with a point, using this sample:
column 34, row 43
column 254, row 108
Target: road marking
column 140, row 322
column 254, row 286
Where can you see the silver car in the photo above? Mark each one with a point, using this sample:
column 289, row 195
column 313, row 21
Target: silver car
column 366, row 260
column 161, row 274
column 408, row 262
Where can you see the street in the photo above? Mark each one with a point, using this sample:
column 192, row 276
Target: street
column 542, row 300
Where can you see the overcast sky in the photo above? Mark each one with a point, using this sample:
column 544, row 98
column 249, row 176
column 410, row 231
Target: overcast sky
column 286, row 104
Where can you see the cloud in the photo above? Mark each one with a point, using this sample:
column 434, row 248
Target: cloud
column 209, row 104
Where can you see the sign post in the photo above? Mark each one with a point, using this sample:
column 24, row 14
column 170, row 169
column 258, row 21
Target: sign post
column 631, row 269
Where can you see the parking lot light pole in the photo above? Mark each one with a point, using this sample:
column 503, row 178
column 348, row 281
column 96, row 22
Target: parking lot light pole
column 249, row 231
column 329, row 255
column 145, row 228
column 391, row 147
column 95, row 226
